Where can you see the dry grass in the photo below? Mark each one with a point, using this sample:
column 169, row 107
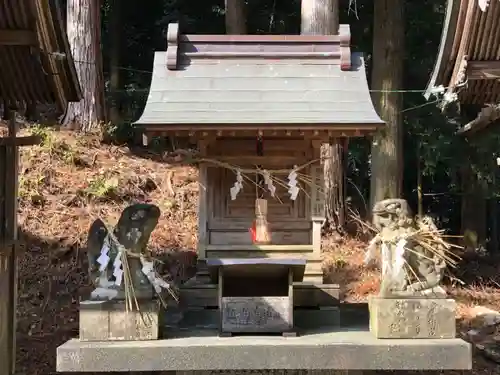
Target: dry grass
column 343, row 265
column 65, row 184
column 70, row 180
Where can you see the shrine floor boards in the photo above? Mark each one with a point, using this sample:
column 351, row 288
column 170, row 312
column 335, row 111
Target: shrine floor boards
column 344, row 349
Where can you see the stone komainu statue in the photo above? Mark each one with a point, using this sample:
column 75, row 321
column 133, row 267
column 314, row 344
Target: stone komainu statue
column 132, row 231
column 409, row 266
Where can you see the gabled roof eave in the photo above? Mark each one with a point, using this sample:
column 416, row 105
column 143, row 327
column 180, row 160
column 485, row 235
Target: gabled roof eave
column 448, row 35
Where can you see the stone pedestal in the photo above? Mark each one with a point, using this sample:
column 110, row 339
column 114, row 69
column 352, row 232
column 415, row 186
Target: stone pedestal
column 412, row 318
column 110, row 321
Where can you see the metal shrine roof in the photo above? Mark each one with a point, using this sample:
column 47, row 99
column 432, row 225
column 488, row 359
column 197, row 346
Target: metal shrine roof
column 235, row 81
column 35, row 59
column 468, row 52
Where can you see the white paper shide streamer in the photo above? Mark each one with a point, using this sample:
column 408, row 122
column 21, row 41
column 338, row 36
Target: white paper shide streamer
column 118, row 268
column 238, row 186
column 104, row 291
column 269, row 182
column 147, row 268
column 293, row 189
column 104, row 258
column 393, row 267
column 156, row 282
column 399, row 259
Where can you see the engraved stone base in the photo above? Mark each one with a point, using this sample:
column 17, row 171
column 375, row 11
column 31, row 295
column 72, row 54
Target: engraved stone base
column 412, row 318
column 110, row 321
column 256, row 314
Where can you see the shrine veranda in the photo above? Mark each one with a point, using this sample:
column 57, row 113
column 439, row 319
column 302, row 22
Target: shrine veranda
column 258, row 109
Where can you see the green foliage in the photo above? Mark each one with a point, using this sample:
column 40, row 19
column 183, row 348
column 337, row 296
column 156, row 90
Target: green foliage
column 55, row 148
column 102, row 188
column 46, row 138
column 30, row 189
column 119, row 134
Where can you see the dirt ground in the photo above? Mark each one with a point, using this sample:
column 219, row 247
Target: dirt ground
column 70, row 180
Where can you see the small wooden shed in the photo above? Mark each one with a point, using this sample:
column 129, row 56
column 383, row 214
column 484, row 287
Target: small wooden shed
column 286, row 93
column 468, row 61
column 467, row 72
column 35, row 57
column 35, row 67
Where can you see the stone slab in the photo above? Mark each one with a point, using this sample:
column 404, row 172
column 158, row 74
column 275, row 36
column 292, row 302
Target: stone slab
column 303, row 319
column 315, row 350
column 110, row 321
column 412, row 318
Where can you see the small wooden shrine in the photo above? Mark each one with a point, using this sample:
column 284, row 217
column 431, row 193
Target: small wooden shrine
column 259, row 107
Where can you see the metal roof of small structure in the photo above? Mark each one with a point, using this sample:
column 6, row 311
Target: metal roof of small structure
column 470, row 40
column 35, row 59
column 255, row 81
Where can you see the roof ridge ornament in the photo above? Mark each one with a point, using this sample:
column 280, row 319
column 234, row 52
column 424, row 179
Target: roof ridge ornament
column 345, row 47
column 172, row 45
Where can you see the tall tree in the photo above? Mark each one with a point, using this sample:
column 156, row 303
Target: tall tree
column 84, row 34
column 321, row 17
column 235, row 17
column 114, row 59
column 387, row 78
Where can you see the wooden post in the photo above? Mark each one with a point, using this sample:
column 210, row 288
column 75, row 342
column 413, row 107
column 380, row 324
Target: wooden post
column 219, row 297
column 8, row 237
column 203, row 185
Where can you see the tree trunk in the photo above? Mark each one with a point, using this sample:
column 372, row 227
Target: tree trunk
column 474, row 210
column 235, row 17
column 320, row 17
column 84, row 34
column 114, row 61
column 387, row 75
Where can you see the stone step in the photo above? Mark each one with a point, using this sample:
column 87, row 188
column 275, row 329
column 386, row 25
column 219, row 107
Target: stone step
column 210, row 319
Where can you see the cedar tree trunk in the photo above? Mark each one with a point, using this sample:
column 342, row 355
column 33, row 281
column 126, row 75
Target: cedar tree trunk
column 84, row 34
column 387, row 75
column 321, row 17
column 235, row 17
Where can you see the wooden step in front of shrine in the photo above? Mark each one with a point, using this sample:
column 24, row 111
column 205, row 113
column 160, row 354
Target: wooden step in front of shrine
column 313, row 272
column 199, row 292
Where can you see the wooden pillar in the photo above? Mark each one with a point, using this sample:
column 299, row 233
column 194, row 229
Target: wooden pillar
column 203, row 236
column 317, row 199
column 8, row 237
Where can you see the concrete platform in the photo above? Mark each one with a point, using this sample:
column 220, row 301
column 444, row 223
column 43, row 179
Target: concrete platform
column 352, row 349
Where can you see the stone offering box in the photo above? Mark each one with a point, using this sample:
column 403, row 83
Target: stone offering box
column 256, row 295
